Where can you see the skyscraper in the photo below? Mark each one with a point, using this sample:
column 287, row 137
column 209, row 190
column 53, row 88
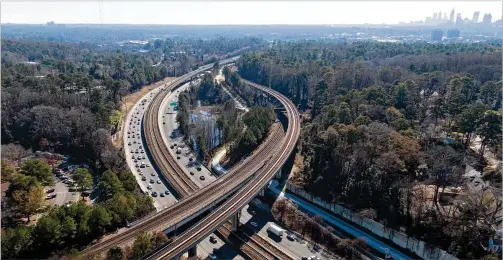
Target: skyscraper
column 453, row 33
column 445, row 16
column 436, row 35
column 459, row 20
column 475, row 18
column 451, row 18
column 434, row 16
column 487, row 19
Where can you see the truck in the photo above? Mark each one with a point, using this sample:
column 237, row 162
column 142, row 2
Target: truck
column 273, row 228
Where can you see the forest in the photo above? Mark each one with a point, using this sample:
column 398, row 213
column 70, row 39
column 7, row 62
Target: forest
column 63, row 97
column 380, row 118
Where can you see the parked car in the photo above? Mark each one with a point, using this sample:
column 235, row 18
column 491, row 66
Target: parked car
column 143, row 178
column 166, row 192
column 152, row 181
column 213, row 239
column 162, row 195
column 52, row 196
column 198, row 168
column 291, row 237
column 202, row 178
column 154, row 194
column 51, row 190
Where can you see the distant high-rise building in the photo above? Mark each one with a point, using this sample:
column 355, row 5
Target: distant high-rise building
column 437, row 35
column 453, row 33
column 434, row 16
column 451, row 18
column 445, row 16
column 459, row 20
column 475, row 18
column 487, row 19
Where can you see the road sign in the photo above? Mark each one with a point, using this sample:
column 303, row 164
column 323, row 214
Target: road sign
column 172, row 104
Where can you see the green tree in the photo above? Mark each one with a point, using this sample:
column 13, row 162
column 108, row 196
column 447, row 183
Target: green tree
column 469, row 119
column 489, row 130
column 7, row 173
column 99, row 220
column 27, row 195
column 15, row 241
column 48, row 231
column 115, row 253
column 83, row 178
column 142, row 245
column 38, row 169
column 68, row 228
column 109, row 185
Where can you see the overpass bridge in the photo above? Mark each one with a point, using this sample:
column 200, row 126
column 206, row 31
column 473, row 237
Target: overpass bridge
column 258, row 169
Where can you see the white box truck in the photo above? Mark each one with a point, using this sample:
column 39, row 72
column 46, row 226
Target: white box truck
column 273, row 228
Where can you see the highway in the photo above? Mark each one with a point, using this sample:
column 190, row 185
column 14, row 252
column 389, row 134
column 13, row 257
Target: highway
column 260, row 176
column 197, row 202
column 134, row 140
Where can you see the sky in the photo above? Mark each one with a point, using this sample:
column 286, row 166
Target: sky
column 238, row 12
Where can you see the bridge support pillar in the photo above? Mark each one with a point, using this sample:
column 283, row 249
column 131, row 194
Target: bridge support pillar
column 193, row 253
column 235, row 220
column 278, row 174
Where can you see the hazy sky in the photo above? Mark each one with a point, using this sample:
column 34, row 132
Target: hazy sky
column 213, row 12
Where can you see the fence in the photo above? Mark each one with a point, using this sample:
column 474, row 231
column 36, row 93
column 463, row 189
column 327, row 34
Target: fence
column 418, row 247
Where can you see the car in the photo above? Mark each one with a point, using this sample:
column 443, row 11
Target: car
column 140, row 147
column 143, row 178
column 202, row 178
column 174, row 144
column 191, row 173
column 153, row 174
column 254, row 224
column 178, row 152
column 137, row 166
column 51, row 190
column 136, row 151
column 291, row 237
column 142, row 151
column 86, row 193
column 154, row 194
column 152, row 181
column 129, row 142
column 134, row 141
column 213, row 239
column 158, row 181
column 128, row 132
column 132, row 157
column 148, row 165
column 52, row 196
column 304, row 258
column 143, row 157
column 166, row 192
column 198, row 168
column 149, row 187
column 162, row 195
column 135, row 160
column 163, row 123
column 178, row 157
column 172, row 147
column 191, row 159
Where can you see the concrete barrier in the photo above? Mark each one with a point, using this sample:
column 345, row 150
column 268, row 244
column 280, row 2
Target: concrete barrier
column 400, row 239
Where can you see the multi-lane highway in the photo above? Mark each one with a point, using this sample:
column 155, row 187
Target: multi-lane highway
column 260, row 175
column 138, row 158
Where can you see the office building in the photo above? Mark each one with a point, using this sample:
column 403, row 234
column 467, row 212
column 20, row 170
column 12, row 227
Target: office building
column 451, row 18
column 475, row 18
column 453, row 33
column 437, row 35
column 487, row 19
column 459, row 20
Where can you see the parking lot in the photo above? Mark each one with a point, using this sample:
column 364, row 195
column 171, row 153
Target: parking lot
column 138, row 159
column 64, row 190
column 197, row 172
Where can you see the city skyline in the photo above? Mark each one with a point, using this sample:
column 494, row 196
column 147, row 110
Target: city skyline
column 192, row 13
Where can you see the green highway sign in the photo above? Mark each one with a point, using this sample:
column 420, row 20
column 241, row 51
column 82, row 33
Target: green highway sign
column 173, row 104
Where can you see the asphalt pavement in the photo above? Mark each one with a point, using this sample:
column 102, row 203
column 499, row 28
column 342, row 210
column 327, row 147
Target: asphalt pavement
column 174, row 140
column 134, row 146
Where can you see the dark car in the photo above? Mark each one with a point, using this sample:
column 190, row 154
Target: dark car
column 166, row 192
column 154, row 194
column 202, row 178
column 213, row 239
column 191, row 173
column 198, row 168
column 50, row 190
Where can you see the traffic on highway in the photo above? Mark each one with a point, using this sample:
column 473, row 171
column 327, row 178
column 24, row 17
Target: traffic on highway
column 138, row 157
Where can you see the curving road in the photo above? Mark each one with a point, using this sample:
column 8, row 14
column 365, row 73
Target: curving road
column 204, row 198
column 260, row 176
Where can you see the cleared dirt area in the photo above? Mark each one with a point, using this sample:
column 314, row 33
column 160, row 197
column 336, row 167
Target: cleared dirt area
column 130, row 100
